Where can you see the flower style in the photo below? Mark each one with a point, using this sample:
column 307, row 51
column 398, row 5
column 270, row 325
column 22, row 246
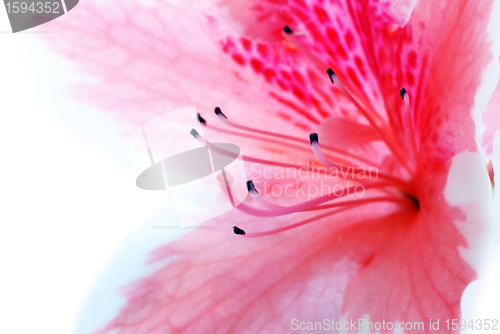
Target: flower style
column 389, row 85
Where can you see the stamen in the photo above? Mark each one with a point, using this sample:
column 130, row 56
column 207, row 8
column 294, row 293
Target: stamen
column 204, row 142
column 287, row 30
column 201, row 120
column 369, row 117
column 282, row 211
column 282, row 229
column 332, row 75
column 246, row 158
column 227, row 122
column 409, row 123
column 219, row 113
column 250, row 136
column 251, row 187
column 238, row 231
column 313, row 137
column 327, row 163
column 402, row 92
column 198, row 137
column 347, row 206
column 259, row 199
column 399, row 200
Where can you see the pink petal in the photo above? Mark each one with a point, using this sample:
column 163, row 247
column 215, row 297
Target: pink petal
column 491, row 118
column 262, row 21
column 400, row 10
column 151, row 60
column 429, row 259
column 406, row 266
column 455, row 49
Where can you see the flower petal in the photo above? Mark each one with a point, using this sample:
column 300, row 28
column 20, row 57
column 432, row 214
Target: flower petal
column 261, row 21
column 456, row 51
column 491, row 118
column 439, row 57
column 400, row 10
column 149, row 60
column 427, row 261
column 404, row 266
column 218, row 283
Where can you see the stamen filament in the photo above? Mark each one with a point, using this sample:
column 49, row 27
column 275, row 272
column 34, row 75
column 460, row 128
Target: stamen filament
column 285, row 228
column 319, row 155
column 409, row 123
column 262, row 201
column 363, row 201
column 247, row 158
column 346, row 206
column 259, row 199
column 282, row 211
column 227, row 122
column 368, row 117
column 325, row 161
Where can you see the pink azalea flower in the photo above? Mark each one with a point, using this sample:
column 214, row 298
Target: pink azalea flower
column 405, row 252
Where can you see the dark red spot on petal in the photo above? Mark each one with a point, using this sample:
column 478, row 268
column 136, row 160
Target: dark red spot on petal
column 321, row 14
column 263, row 49
column 268, row 74
column 247, row 45
column 340, row 51
column 298, row 77
column 286, row 76
column 298, row 93
column 354, row 78
column 256, row 65
column 359, row 65
column 332, row 35
column 283, row 85
column 349, row 40
column 239, row 59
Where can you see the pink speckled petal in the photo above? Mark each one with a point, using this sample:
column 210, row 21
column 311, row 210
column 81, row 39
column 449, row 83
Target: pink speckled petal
column 438, row 57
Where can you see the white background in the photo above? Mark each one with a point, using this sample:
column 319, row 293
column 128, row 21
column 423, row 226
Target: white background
column 65, row 206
